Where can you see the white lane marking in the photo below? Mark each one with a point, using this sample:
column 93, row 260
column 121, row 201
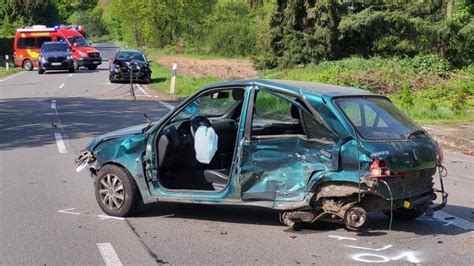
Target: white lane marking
column 108, row 83
column 105, row 217
column 61, row 86
column 342, row 237
column 460, row 179
column 60, row 143
column 68, row 211
column 458, row 222
column 167, row 105
column 143, row 91
column 53, row 104
column 108, row 254
column 12, row 76
column 374, row 249
column 70, row 75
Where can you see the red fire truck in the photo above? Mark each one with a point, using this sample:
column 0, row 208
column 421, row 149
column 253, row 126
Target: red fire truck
column 28, row 43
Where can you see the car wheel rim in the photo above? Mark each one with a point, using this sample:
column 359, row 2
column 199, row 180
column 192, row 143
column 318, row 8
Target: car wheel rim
column 111, row 191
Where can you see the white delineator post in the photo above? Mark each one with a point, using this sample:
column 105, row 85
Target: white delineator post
column 6, row 62
column 173, row 77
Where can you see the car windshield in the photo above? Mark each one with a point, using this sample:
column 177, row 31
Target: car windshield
column 210, row 105
column 129, row 56
column 56, row 47
column 78, row 41
column 376, row 118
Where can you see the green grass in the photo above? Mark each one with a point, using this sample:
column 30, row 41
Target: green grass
column 431, row 96
column 185, row 86
column 11, row 71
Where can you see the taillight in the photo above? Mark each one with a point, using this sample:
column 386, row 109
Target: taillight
column 439, row 154
column 379, row 169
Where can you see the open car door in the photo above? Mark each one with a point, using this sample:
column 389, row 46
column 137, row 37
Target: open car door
column 284, row 145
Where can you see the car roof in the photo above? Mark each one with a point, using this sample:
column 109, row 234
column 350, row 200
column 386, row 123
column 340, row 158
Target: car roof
column 130, row 51
column 57, row 43
column 300, row 87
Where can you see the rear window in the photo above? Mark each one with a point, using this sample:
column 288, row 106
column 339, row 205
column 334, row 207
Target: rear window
column 377, row 118
column 32, row 42
column 54, row 47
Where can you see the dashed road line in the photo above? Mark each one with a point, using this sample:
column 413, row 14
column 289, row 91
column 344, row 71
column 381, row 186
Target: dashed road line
column 108, row 254
column 458, row 222
column 12, row 76
column 61, row 86
column 70, row 75
column 60, row 143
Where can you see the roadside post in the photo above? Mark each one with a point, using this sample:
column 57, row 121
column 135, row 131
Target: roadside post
column 173, row 77
column 6, row 62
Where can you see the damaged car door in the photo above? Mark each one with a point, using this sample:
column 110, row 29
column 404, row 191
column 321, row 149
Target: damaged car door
column 284, row 146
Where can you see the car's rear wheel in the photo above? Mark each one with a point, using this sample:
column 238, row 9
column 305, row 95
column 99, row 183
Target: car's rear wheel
column 116, row 191
column 403, row 214
column 92, row 67
column 28, row 65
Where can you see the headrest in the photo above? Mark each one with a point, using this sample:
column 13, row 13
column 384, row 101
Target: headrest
column 238, row 94
column 295, row 113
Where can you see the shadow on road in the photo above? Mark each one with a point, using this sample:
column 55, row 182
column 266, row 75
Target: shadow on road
column 30, row 122
column 378, row 223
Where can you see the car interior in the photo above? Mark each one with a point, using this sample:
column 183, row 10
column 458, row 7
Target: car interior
column 176, row 155
column 177, row 164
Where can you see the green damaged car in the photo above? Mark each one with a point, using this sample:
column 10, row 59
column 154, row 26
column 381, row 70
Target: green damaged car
column 312, row 151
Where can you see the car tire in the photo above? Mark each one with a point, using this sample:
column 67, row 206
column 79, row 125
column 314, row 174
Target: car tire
column 113, row 183
column 92, row 67
column 72, row 70
column 41, row 71
column 28, row 65
column 148, row 80
column 403, row 214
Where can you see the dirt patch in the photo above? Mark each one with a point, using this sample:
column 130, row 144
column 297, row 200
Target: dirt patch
column 223, row 69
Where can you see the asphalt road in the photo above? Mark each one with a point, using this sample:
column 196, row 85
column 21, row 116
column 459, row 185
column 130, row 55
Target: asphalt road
column 49, row 215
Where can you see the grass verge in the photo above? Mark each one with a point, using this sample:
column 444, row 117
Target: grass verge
column 185, row 86
column 11, row 71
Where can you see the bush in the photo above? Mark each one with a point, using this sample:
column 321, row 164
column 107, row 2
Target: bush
column 232, row 39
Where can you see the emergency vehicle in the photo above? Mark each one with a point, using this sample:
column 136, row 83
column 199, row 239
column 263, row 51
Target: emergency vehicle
column 28, row 41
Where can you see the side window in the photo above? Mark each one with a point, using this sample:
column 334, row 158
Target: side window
column 274, row 115
column 26, row 43
column 41, row 40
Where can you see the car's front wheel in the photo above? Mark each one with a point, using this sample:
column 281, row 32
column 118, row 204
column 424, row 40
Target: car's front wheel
column 403, row 214
column 116, row 192
column 92, row 67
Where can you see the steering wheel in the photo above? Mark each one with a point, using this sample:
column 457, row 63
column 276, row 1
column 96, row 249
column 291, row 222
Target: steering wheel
column 198, row 121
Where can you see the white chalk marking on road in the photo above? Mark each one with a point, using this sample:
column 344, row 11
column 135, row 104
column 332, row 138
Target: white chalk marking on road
column 460, row 179
column 61, row 86
column 68, row 211
column 105, row 217
column 143, row 91
column 53, row 104
column 167, row 105
column 108, row 254
column 108, row 83
column 70, row 75
column 342, row 237
column 12, row 76
column 60, row 143
column 458, row 222
column 374, row 249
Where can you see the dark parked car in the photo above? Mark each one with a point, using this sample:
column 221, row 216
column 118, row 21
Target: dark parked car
column 55, row 56
column 312, row 151
column 125, row 60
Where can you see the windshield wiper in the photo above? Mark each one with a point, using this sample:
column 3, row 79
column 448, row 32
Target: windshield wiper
column 416, row 133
